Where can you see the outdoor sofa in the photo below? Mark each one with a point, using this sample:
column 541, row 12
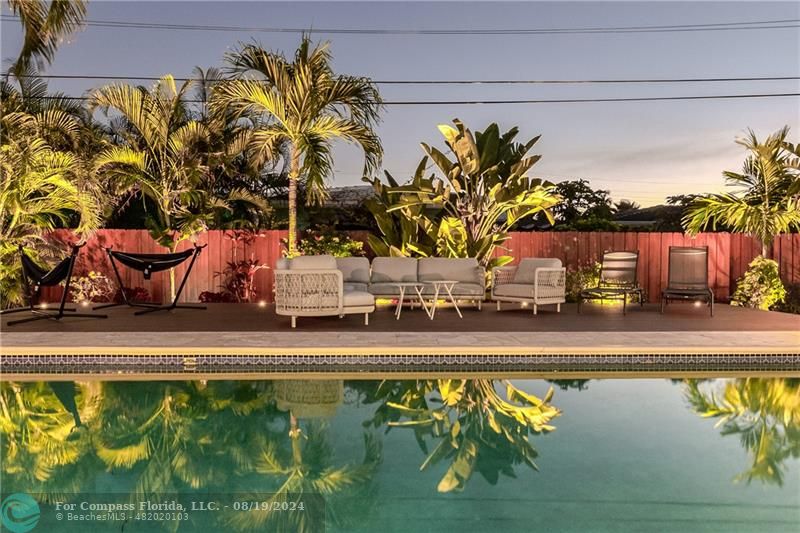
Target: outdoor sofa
column 536, row 281
column 467, row 272
column 313, row 285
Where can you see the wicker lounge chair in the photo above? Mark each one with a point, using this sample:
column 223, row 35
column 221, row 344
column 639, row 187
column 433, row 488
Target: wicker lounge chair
column 537, row 281
column 617, row 280
column 688, row 277
column 35, row 277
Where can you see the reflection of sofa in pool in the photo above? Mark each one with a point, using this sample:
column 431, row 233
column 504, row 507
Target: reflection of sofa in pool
column 326, row 286
column 306, row 398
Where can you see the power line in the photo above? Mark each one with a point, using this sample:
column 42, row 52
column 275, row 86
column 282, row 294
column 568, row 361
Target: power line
column 450, row 82
column 723, row 26
column 538, row 101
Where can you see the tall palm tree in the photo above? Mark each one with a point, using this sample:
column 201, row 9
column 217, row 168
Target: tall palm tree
column 45, row 24
column 305, row 104
column 767, row 203
column 163, row 154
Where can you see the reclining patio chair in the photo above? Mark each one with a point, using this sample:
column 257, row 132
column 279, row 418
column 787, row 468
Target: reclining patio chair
column 617, row 280
column 147, row 264
column 688, row 277
column 35, row 277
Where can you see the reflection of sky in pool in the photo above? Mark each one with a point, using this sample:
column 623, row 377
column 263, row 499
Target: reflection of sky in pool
column 625, row 455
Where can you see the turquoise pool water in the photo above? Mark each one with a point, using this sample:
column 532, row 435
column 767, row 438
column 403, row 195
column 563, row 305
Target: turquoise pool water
column 610, row 455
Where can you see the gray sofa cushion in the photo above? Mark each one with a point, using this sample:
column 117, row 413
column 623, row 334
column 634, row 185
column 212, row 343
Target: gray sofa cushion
column 526, row 270
column 313, row 262
column 461, row 289
column 282, row 264
column 514, row 290
column 387, row 289
column 389, row 269
column 465, row 270
column 354, row 269
column 358, row 299
column 350, row 286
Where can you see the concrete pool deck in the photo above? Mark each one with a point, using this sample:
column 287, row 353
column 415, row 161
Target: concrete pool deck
column 243, row 338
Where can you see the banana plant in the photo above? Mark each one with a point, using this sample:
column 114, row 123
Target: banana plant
column 470, row 205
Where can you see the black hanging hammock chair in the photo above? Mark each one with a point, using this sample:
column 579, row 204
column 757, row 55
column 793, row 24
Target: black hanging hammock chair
column 35, row 277
column 147, row 264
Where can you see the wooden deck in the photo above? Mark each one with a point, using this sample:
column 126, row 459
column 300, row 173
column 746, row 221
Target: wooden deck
column 245, row 339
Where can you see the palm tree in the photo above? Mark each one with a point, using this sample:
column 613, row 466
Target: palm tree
column 163, row 155
column 767, row 203
column 45, row 24
column 302, row 103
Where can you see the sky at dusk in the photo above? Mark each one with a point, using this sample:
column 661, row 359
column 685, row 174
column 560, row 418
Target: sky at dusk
column 642, row 151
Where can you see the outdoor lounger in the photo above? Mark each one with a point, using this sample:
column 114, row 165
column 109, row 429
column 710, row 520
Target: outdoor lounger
column 617, row 280
column 147, row 264
column 35, row 277
column 688, row 276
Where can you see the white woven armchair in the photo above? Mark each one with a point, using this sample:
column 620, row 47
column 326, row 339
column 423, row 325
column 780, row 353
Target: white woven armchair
column 313, row 286
column 535, row 281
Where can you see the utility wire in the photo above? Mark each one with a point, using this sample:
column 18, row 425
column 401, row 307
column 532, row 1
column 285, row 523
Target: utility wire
column 540, row 101
column 723, row 26
column 447, row 82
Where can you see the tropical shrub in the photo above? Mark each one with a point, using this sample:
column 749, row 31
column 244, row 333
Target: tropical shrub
column 468, row 210
column 580, row 279
column 791, row 302
column 760, row 287
column 93, row 287
column 327, row 242
column 41, row 187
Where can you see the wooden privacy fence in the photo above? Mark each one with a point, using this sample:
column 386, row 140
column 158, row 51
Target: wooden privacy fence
column 729, row 255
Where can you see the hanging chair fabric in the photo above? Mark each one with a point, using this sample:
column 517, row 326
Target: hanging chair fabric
column 40, row 276
column 149, row 263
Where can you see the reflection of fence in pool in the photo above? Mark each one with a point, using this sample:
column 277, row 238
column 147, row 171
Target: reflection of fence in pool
column 729, row 255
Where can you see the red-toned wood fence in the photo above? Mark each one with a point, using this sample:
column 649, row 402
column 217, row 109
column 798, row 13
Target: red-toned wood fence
column 729, row 256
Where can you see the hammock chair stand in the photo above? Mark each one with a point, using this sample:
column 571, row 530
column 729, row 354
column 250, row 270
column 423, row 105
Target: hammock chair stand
column 147, row 264
column 34, row 278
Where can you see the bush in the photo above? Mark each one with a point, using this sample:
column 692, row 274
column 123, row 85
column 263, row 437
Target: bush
column 791, row 303
column 583, row 278
column 93, row 287
column 760, row 287
column 329, row 242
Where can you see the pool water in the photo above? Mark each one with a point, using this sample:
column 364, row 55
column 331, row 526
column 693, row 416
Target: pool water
column 414, row 456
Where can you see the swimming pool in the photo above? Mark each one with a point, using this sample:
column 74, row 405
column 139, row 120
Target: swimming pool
column 415, row 455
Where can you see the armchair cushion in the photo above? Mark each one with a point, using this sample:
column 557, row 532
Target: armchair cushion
column 514, row 290
column 526, row 270
column 393, row 269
